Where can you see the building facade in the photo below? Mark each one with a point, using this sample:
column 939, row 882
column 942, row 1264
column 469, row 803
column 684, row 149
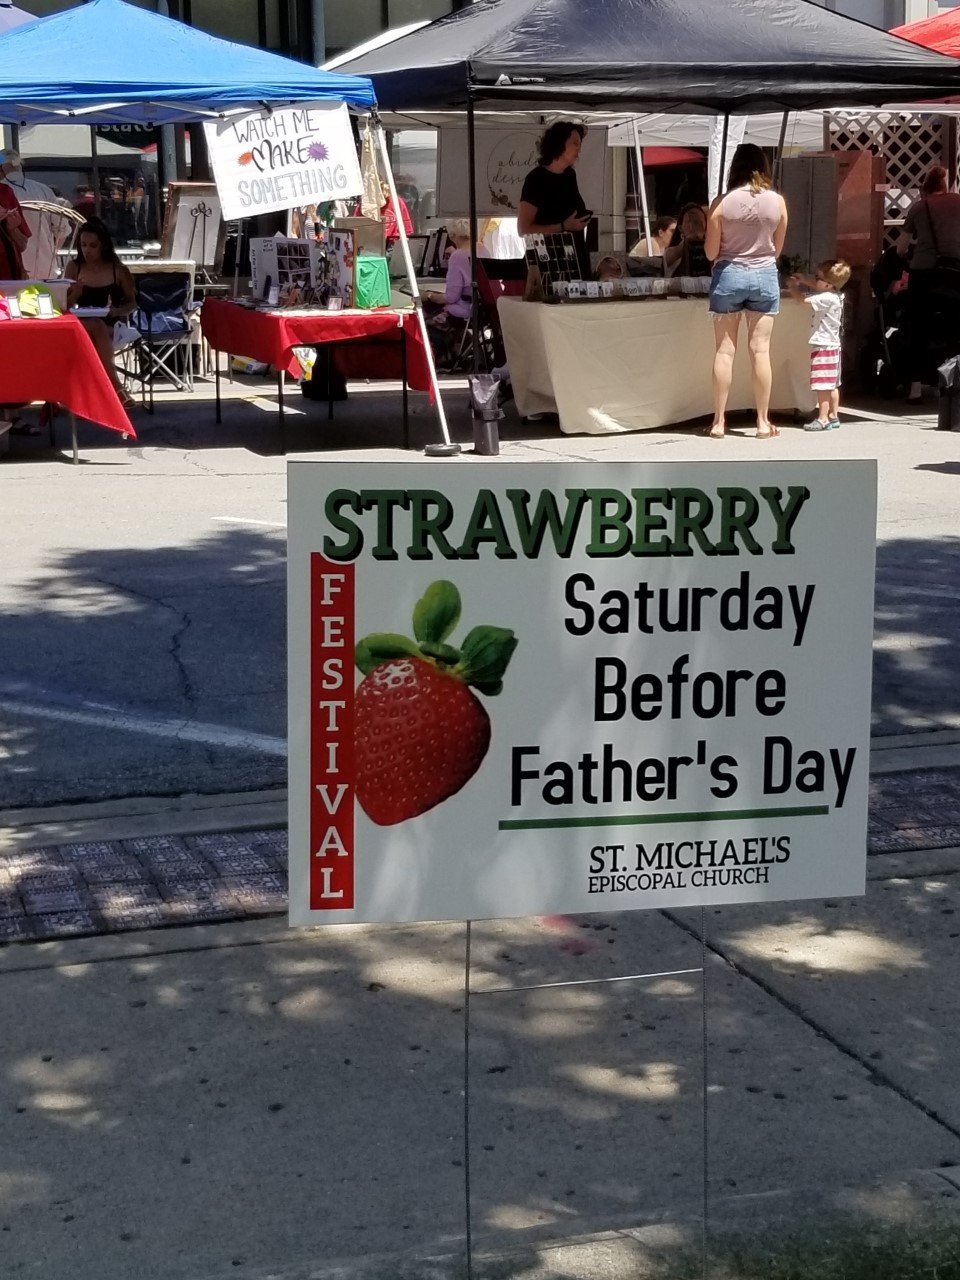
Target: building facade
column 311, row 30
column 314, row 30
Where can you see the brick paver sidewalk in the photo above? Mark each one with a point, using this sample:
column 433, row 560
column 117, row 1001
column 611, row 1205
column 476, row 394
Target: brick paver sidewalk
column 113, row 885
column 116, row 885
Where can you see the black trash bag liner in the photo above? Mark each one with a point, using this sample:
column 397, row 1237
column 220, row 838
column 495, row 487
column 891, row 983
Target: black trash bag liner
column 486, row 412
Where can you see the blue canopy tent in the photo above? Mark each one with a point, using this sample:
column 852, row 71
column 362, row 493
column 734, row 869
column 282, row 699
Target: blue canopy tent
column 108, row 62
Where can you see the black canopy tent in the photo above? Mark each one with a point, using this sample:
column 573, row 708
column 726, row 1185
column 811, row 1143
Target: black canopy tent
column 616, row 56
column 712, row 56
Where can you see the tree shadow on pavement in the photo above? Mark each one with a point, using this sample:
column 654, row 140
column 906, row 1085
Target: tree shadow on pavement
column 110, row 653
column 917, row 635
column 254, row 1102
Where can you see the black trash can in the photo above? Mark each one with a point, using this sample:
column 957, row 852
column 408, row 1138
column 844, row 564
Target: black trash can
column 948, row 408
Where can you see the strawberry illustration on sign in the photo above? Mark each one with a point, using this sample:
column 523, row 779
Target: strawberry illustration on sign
column 421, row 733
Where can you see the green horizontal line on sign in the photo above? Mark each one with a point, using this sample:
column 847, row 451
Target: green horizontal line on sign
column 646, row 819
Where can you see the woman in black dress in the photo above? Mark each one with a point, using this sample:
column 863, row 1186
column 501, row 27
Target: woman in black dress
column 99, row 279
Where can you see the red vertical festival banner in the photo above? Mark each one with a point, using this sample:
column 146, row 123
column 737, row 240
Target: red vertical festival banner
column 332, row 779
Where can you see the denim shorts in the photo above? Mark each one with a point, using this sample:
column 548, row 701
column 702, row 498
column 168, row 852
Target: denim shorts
column 734, row 287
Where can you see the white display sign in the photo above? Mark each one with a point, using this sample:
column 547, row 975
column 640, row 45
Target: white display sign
column 533, row 689
column 269, row 160
column 504, row 158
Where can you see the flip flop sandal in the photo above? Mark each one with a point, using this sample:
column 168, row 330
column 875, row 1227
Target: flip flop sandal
column 768, row 435
column 712, row 434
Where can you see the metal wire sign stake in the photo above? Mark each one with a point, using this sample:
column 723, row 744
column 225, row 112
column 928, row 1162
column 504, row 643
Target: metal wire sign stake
column 468, row 993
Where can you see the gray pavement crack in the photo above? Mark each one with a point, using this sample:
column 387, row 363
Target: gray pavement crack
column 876, row 1075
column 187, row 690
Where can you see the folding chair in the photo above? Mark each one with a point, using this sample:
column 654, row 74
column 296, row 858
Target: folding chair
column 162, row 319
column 53, row 229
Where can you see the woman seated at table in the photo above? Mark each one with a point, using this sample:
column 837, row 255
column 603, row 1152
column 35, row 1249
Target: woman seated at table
column 101, row 280
column 448, row 312
column 687, row 257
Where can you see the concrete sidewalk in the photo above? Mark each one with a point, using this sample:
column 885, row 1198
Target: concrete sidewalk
column 235, row 1099
column 240, row 1100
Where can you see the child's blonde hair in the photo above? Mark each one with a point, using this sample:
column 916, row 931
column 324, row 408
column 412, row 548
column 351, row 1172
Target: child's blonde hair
column 835, row 271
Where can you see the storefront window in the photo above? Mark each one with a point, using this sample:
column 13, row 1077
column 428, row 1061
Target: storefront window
column 272, row 15
column 350, row 22
column 414, row 153
column 124, row 172
column 231, row 19
column 404, row 11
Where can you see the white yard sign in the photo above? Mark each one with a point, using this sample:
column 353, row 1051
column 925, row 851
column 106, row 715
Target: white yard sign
column 269, row 160
column 528, row 689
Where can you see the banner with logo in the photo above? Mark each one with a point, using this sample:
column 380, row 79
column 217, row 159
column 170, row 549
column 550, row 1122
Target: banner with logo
column 530, row 689
column 505, row 155
column 266, row 161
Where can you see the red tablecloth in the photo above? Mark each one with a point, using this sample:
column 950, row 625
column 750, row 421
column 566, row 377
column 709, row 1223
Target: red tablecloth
column 271, row 336
column 55, row 360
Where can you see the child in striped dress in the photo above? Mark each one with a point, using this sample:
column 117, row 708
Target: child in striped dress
column 823, row 295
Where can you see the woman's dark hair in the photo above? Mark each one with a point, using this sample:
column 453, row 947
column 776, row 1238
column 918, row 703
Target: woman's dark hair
column 749, row 168
column 935, row 180
column 663, row 223
column 554, row 141
column 94, row 227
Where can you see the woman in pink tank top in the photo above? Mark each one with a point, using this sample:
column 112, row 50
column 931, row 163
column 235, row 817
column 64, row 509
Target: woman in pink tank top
column 745, row 233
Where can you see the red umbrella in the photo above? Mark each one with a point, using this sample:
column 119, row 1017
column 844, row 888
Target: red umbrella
column 660, row 157
column 941, row 33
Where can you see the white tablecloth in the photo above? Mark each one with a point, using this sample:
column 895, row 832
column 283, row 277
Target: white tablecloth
column 626, row 366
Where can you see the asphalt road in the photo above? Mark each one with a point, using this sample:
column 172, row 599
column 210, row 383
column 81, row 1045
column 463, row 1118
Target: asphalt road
column 142, row 594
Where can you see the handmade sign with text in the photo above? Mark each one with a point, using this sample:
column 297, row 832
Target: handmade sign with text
column 529, row 689
column 293, row 156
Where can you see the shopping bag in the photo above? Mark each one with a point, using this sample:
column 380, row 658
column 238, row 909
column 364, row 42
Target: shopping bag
column 371, row 282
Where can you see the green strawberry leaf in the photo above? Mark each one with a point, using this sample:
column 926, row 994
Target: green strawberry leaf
column 437, row 612
column 486, row 654
column 490, row 687
column 374, row 649
column 444, row 653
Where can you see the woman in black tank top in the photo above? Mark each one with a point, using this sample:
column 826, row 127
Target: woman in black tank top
column 101, row 280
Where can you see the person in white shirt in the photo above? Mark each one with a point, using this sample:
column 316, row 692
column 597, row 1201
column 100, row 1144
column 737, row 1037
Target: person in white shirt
column 661, row 235
column 824, row 299
column 48, row 232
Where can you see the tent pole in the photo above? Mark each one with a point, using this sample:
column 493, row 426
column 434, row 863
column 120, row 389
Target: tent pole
column 474, row 238
column 642, row 184
column 721, row 176
column 95, row 173
column 446, row 449
column 778, row 163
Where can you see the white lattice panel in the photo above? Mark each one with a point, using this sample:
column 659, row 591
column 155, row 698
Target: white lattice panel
column 909, row 142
